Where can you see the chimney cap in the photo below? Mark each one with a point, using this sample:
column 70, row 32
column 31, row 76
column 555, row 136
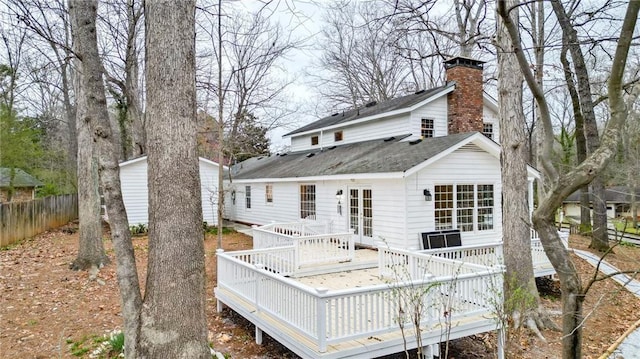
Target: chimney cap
column 463, row 61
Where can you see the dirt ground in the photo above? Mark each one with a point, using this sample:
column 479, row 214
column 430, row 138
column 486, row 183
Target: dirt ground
column 47, row 310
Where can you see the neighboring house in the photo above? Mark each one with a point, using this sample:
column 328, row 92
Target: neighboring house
column 135, row 193
column 618, row 202
column 388, row 171
column 24, row 185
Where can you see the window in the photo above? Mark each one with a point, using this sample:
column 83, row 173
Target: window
column 485, row 207
column 444, row 207
column 464, row 204
column 247, row 196
column 337, row 136
column 307, row 201
column 426, row 128
column 473, row 207
column 314, row 140
column 487, row 129
column 268, row 191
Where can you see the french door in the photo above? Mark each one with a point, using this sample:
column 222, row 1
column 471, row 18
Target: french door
column 361, row 215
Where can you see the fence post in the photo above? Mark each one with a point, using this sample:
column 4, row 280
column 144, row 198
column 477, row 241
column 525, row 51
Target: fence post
column 257, row 286
column 322, row 319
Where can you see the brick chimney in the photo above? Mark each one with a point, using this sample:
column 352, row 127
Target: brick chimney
column 465, row 102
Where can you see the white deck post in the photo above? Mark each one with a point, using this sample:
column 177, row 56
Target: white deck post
column 258, row 335
column 501, row 339
column 322, row 319
column 219, row 304
column 257, row 287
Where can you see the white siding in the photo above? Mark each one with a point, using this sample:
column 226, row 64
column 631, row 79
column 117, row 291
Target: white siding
column 436, row 110
column 209, row 192
column 489, row 116
column 461, row 167
column 284, row 207
column 370, row 130
column 135, row 193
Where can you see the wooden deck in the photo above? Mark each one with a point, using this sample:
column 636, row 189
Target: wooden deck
column 322, row 298
column 357, row 313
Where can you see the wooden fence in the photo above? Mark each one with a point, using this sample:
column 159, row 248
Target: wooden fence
column 20, row 220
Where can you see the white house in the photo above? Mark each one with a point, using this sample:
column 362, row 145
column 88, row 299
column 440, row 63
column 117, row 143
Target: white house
column 619, row 200
column 389, row 171
column 135, row 193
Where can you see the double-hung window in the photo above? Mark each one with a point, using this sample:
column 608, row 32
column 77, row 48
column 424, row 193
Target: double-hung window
column 247, row 196
column 268, row 193
column 426, row 127
column 467, row 207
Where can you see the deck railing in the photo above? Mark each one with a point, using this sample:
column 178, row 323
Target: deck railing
column 309, row 247
column 402, row 264
column 331, row 316
column 484, row 254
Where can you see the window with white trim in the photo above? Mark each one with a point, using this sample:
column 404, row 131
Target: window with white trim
column 268, row 193
column 443, row 201
column 314, row 140
column 247, row 196
column 485, row 207
column 426, row 127
column 307, row 201
column 471, row 210
column 487, row 129
column 464, row 207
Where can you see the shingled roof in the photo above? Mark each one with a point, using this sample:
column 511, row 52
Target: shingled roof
column 21, row 179
column 377, row 156
column 373, row 108
column 617, row 194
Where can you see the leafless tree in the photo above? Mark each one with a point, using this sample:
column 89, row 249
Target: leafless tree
column 522, row 302
column 239, row 67
column 359, row 61
column 120, row 23
column 562, row 185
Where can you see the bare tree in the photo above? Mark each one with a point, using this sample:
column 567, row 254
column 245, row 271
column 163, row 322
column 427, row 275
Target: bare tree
column 583, row 102
column 561, row 186
column 249, row 96
column 522, row 301
column 121, row 21
column 359, row 62
column 470, row 29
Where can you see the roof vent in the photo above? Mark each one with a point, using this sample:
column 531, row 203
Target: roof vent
column 331, row 147
column 371, row 104
column 283, row 154
column 388, row 139
column 309, row 155
column 335, row 114
column 415, row 142
column 419, row 92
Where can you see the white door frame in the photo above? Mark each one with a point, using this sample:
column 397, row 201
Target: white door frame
column 360, row 213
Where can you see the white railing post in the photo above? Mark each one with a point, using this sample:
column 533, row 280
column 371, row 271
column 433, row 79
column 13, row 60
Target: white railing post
column 257, row 286
column 296, row 255
column 322, row 319
column 352, row 245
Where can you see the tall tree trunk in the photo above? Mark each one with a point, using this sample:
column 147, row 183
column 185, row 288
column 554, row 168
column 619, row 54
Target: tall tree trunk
column 543, row 216
column 83, row 14
column 581, row 141
column 521, row 295
column 600, row 237
column 173, row 320
column 90, row 246
column 132, row 94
